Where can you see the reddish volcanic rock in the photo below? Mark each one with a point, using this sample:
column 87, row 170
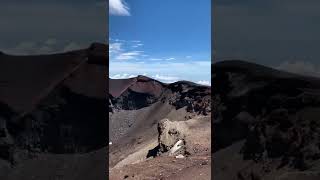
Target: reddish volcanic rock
column 148, row 86
column 140, row 84
column 118, row 86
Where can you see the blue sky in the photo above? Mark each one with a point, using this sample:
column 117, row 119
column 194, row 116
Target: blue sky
column 169, row 40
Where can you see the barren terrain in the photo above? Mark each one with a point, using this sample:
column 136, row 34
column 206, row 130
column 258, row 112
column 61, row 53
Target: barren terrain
column 53, row 115
column 265, row 123
column 147, row 120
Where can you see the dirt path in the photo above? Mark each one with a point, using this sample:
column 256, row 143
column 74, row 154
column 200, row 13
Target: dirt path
column 197, row 167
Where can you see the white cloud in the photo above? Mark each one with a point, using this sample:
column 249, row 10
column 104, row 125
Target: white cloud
column 155, row 59
column 114, row 48
column 188, row 57
column 124, row 50
column 125, row 76
column 189, row 70
column 206, row 83
column 159, row 77
column 122, row 76
column 128, row 55
column 166, row 79
column 126, row 62
column 170, row 59
column 119, row 8
column 300, row 67
column 137, row 45
column 119, row 40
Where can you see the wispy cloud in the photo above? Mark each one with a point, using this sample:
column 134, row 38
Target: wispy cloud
column 170, row 59
column 137, row 45
column 206, row 83
column 119, row 8
column 166, row 79
column 126, row 61
column 155, row 59
column 122, row 76
column 128, row 55
column 125, row 50
column 162, row 78
column 120, row 49
column 189, row 70
column 114, row 48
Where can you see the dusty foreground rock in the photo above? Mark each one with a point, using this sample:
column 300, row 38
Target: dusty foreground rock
column 196, row 167
column 191, row 160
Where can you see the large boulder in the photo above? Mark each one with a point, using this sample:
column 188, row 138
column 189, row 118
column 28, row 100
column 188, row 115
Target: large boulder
column 191, row 137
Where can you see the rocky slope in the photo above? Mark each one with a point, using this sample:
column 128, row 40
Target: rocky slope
column 137, row 109
column 53, row 107
column 265, row 123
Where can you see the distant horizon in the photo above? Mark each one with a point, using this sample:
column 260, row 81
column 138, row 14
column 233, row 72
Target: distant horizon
column 158, row 41
column 135, row 76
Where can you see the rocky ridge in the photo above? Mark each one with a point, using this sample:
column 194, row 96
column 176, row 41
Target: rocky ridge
column 275, row 115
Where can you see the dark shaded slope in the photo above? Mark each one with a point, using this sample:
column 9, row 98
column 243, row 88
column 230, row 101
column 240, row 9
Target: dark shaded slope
column 139, row 92
column 274, row 113
column 57, row 103
column 256, row 89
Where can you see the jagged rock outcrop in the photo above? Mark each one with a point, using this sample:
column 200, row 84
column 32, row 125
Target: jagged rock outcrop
column 141, row 91
column 192, row 137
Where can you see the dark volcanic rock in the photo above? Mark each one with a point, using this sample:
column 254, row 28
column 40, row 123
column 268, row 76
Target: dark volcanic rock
column 58, row 106
column 140, row 92
column 275, row 113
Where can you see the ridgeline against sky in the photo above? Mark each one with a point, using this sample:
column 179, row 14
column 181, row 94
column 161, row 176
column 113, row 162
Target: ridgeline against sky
column 166, row 40
column 280, row 34
column 49, row 26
